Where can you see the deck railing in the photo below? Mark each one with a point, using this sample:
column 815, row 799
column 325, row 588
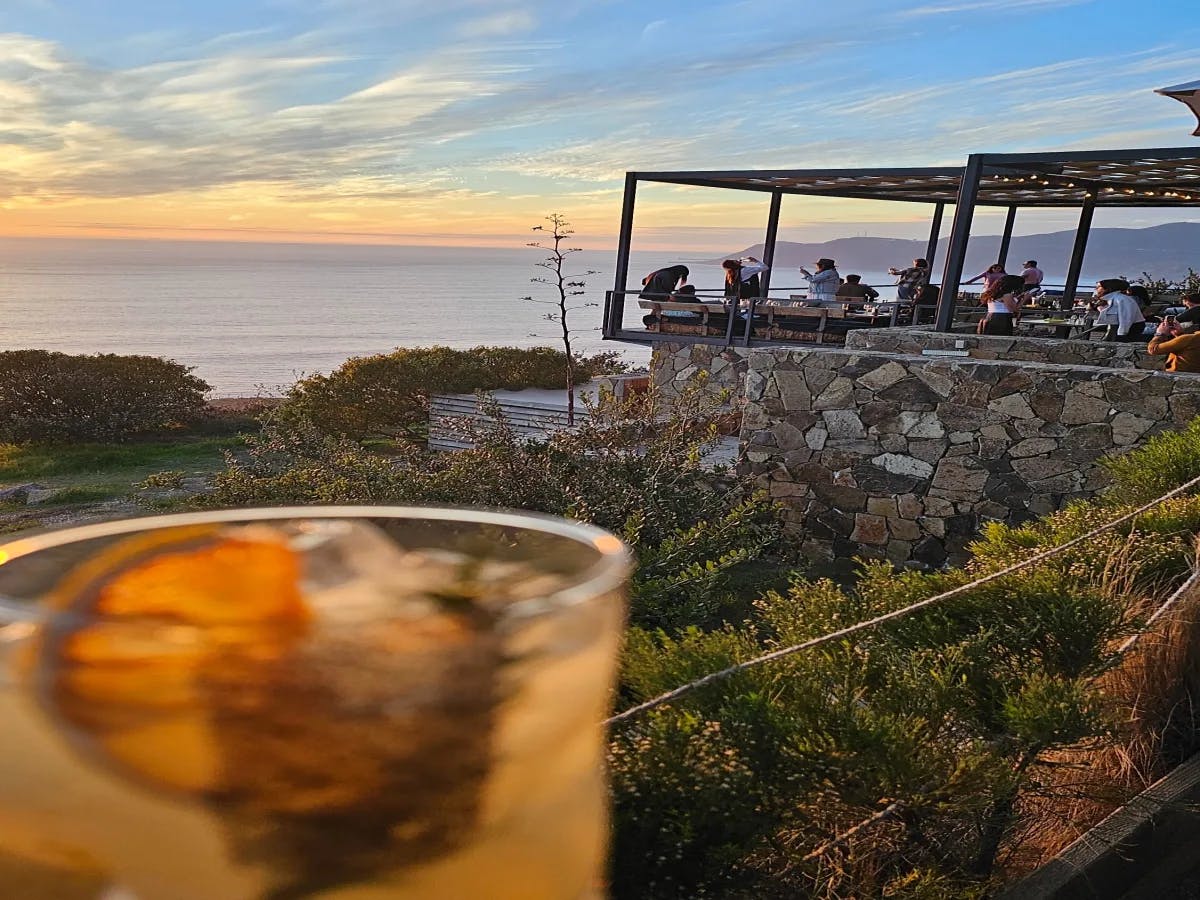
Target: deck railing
column 712, row 319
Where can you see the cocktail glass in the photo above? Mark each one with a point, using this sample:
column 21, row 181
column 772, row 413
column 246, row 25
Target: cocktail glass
column 337, row 702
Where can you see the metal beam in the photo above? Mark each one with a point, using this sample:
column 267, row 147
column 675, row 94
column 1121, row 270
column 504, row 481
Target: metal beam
column 1006, row 238
column 769, row 240
column 935, row 231
column 960, row 233
column 616, row 300
column 1077, row 252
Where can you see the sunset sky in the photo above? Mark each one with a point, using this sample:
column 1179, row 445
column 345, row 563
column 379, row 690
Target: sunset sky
column 465, row 121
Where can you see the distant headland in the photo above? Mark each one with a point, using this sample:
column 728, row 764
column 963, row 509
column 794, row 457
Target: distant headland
column 1165, row 251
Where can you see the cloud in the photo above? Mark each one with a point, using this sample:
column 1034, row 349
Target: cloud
column 653, row 28
column 972, row 6
column 499, row 25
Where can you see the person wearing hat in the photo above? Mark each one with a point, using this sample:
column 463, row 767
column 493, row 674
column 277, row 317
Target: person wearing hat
column 822, row 284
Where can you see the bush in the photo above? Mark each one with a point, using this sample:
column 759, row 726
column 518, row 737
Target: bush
column 47, row 396
column 705, row 540
column 1164, row 462
column 387, row 395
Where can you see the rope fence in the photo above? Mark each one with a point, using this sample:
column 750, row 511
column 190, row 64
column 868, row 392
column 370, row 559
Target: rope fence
column 904, row 612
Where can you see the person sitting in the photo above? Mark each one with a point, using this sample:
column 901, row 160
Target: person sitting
column 1187, row 310
column 1122, row 314
column 854, row 289
column 1002, row 305
column 911, row 280
column 659, row 285
column 926, row 299
column 991, row 275
column 822, row 284
column 1180, row 343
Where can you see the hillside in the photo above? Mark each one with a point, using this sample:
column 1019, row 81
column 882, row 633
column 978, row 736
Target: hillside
column 1163, row 250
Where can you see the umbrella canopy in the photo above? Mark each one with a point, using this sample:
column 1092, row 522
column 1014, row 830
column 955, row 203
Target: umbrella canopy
column 1186, row 93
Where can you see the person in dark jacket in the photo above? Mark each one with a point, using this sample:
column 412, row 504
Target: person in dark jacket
column 662, row 283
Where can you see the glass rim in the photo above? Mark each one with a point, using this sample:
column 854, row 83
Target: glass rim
column 606, row 574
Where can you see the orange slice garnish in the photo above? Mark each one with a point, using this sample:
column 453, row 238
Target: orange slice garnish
column 143, row 631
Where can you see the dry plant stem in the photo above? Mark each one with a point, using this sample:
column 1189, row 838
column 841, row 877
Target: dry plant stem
column 566, row 286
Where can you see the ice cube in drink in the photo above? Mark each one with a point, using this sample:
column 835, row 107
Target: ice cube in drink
column 305, row 709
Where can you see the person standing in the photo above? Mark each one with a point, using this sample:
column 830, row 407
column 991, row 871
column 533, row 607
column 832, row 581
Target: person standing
column 1002, row 305
column 1031, row 275
column 911, row 280
column 822, row 284
column 1181, row 343
column 1124, row 317
column 990, row 276
column 742, row 277
column 661, row 283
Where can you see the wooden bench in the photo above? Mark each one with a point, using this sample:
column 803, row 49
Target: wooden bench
column 667, row 325
column 795, row 323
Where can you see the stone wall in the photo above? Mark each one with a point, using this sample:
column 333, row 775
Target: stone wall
column 1052, row 350
column 673, row 365
column 904, row 457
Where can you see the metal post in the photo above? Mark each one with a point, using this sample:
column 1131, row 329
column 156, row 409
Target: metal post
column 616, row 301
column 1076, row 265
column 960, row 233
column 769, row 240
column 1006, row 238
column 935, row 230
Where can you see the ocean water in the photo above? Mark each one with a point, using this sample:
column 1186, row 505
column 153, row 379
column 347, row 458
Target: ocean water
column 252, row 318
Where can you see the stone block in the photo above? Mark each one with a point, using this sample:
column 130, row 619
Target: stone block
column 1128, row 428
column 789, row 437
column 899, row 464
column 781, row 489
column 838, row 395
column 921, row 425
column 843, row 423
column 880, row 415
column 899, row 551
column 1012, row 405
column 1039, row 468
column 841, row 497
column 928, row 451
column 869, row 529
column 955, row 477
column 1081, row 409
column 816, row 437
column 884, row 376
column 1032, row 447
column 910, row 390
column 904, row 529
column 793, row 390
column 930, row 551
column 909, row 506
column 882, row 506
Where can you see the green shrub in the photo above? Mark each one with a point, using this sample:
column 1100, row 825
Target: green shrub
column 387, row 395
column 705, row 540
column 47, row 396
column 1164, row 462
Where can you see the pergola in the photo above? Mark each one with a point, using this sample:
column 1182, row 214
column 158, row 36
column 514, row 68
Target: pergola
column 1165, row 177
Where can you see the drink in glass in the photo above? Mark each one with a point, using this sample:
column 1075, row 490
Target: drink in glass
column 307, row 703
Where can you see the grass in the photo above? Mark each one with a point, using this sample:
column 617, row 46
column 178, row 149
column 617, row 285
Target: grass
column 86, row 473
